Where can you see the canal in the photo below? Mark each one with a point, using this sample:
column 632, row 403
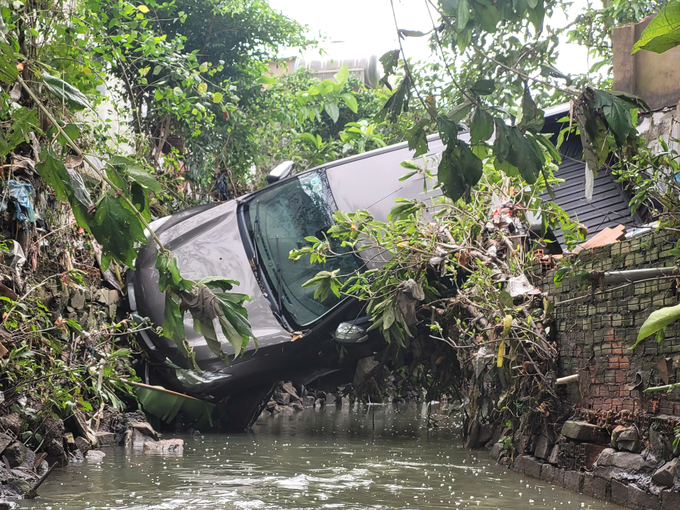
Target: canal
column 371, row 457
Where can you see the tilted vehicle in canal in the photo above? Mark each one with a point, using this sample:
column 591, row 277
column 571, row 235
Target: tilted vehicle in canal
column 248, row 239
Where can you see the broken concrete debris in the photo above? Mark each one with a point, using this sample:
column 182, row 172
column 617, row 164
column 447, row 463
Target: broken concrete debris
column 22, row 470
column 288, row 398
column 627, row 471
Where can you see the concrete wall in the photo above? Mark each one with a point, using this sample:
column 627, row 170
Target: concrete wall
column 594, row 333
column 651, row 76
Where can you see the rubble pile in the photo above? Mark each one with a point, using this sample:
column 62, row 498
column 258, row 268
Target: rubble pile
column 627, row 459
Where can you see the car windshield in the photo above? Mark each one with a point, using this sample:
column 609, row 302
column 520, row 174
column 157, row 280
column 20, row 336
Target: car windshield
column 280, row 218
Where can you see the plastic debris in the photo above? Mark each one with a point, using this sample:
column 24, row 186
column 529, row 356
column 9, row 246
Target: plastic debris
column 21, row 195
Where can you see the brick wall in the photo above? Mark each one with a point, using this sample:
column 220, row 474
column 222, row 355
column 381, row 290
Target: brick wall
column 594, row 333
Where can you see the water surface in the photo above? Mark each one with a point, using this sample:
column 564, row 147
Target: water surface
column 377, row 457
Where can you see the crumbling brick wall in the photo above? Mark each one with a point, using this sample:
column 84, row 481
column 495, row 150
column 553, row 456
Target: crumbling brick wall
column 597, row 325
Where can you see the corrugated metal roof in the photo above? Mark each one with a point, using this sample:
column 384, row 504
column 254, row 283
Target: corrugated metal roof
column 609, row 206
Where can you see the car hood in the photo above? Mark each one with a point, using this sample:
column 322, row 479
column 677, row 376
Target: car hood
column 205, row 242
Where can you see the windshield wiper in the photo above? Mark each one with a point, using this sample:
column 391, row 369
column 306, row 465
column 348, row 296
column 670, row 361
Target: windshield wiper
column 256, row 233
column 278, row 271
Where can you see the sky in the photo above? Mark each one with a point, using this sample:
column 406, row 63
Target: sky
column 360, row 28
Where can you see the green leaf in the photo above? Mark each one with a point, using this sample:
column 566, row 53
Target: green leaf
column 332, row 110
column 459, row 170
column 169, row 277
column 481, row 125
column 217, row 97
column 617, row 112
column 351, row 102
column 143, row 8
column 663, row 32
column 537, row 16
column 505, row 299
column 218, row 282
column 54, row 173
column 137, row 173
column 411, row 33
column 533, row 117
column 202, row 88
column 524, row 155
column 463, row 14
column 487, row 15
column 501, row 145
column 342, row 75
column 460, row 111
column 8, row 63
column 173, row 323
column 65, row 91
column 117, row 228
column 483, row 87
column 448, row 129
column 657, row 321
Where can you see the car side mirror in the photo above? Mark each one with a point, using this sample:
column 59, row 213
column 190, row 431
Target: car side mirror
column 354, row 332
column 279, row 172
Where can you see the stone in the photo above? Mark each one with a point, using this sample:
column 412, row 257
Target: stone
column 5, row 441
column 637, row 498
column 18, row 486
column 485, row 433
column 282, row 398
column 308, row 401
column 547, row 473
column 624, row 460
column 532, row 467
column 554, row 455
column 171, row 446
column 497, row 450
column 582, row 431
column 83, row 445
column 11, row 423
column 660, row 444
column 665, row 475
column 364, row 367
column 630, row 446
column 106, row 438
column 290, row 389
column 591, row 453
column 596, row 487
column 56, row 453
column 137, row 439
column 297, row 406
column 15, row 454
column 543, row 447
column 619, row 493
column 615, row 435
column 5, row 504
column 95, row 456
column 558, row 477
column 670, row 500
column 144, row 428
column 331, row 399
column 78, row 299
column 573, row 481
column 518, row 464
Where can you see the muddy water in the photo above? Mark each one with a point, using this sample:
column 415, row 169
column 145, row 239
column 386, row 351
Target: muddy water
column 365, row 458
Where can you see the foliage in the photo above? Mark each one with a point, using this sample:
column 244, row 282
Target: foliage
column 663, row 32
column 657, row 322
column 488, row 36
column 293, row 121
column 442, row 285
column 110, row 195
column 592, row 28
